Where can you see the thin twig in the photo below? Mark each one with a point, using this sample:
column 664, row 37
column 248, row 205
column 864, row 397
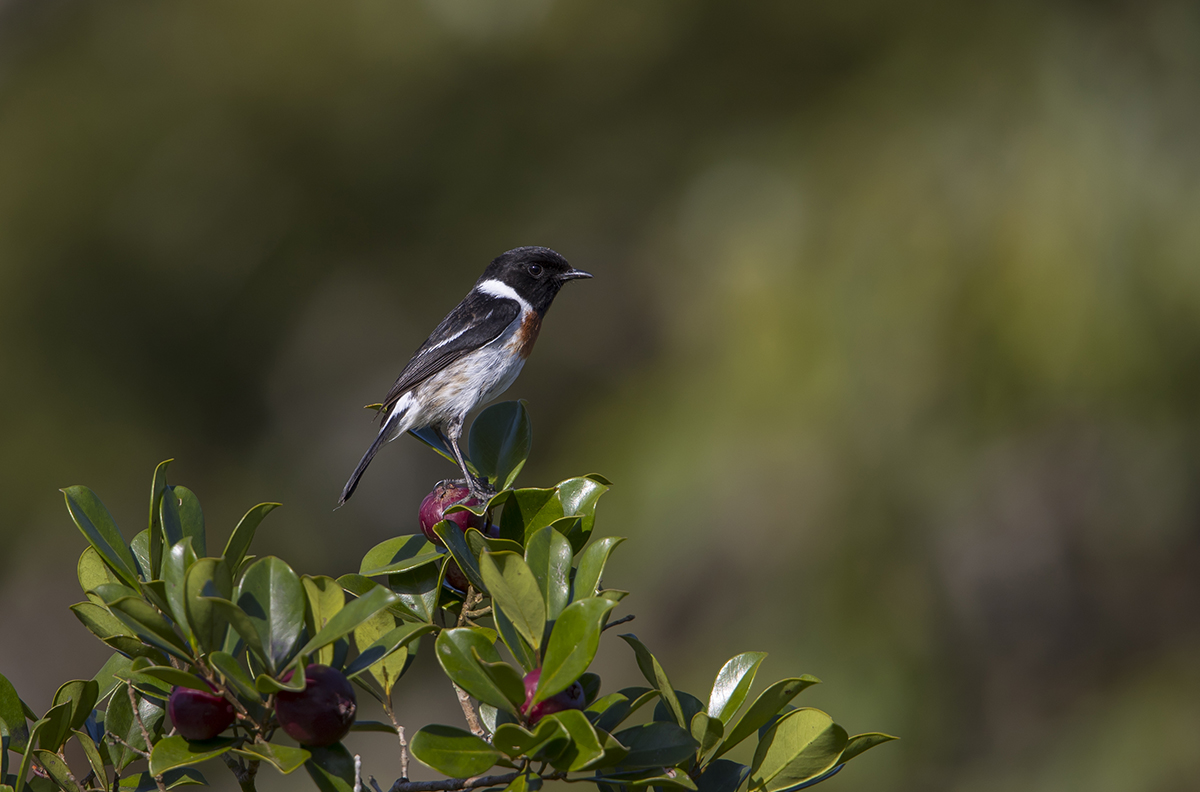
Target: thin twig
column 374, row 784
column 243, row 773
column 357, row 773
column 403, row 744
column 451, row 784
column 138, row 751
column 622, row 620
column 137, row 715
column 473, row 723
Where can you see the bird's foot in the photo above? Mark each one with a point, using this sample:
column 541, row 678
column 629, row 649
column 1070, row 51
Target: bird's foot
column 481, row 489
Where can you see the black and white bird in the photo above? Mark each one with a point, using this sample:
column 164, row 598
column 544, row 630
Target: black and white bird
column 473, row 355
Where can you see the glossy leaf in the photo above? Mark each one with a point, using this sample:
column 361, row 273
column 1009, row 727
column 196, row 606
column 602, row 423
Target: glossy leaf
column 176, row 677
column 174, row 752
column 284, row 758
column 764, row 708
column 499, row 442
column 658, row 779
column 106, row 678
column 191, row 518
column 515, row 590
column 583, row 750
column 689, row 704
column 207, row 578
column 456, row 543
column 331, row 768
column 548, row 555
column 722, row 775
column 119, row 720
column 271, row 595
column 656, row 744
column 732, row 684
column 349, row 617
column 572, row 645
column 507, row 679
column 480, row 544
column 176, row 562
column 398, row 554
column 239, row 541
column 707, row 731
column 92, row 570
column 453, row 752
column 525, row 654
column 591, row 566
column 515, row 740
column 144, row 782
column 140, row 545
column 860, row 743
column 802, row 745
column 148, row 624
column 92, row 752
column 27, row 757
column 325, row 598
column 457, row 650
column 99, row 621
column 12, row 716
column 229, row 668
column 158, row 485
column 82, row 695
column 242, row 624
column 57, row 769
column 98, row 527
column 657, row 677
column 56, row 727
column 384, row 654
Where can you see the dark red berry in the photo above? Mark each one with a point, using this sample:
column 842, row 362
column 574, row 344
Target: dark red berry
column 199, row 715
column 323, row 712
column 455, row 577
column 433, row 511
column 571, row 698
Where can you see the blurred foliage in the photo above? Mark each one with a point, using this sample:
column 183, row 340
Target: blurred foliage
column 896, row 316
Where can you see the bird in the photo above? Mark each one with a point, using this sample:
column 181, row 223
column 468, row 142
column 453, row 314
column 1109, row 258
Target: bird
column 473, row 355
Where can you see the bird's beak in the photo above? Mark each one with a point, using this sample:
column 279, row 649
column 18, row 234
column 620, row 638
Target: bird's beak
column 573, row 274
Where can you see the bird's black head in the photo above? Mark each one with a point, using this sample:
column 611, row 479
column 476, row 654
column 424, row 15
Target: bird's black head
column 534, row 273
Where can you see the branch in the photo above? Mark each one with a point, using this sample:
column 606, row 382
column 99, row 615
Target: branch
column 137, row 715
column 399, row 734
column 473, row 723
column 451, row 784
column 243, row 774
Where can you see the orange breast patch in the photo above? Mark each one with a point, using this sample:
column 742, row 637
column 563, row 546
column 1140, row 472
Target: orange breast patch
column 528, row 333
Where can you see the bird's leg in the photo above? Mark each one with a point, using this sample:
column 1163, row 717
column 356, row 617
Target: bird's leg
column 479, row 488
column 445, row 483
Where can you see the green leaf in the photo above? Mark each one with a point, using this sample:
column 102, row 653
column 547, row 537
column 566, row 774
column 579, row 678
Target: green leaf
column 205, row 579
column 616, row 713
column 657, row 677
column 331, row 768
column 658, row 778
column 158, row 486
column 572, row 645
column 732, row 684
column 98, row 527
column 722, row 775
column 148, row 624
column 106, row 678
column 507, row 679
column 271, row 595
column 515, row 590
column 348, row 618
column 57, row 769
column 591, row 566
column 499, row 442
column 191, row 518
column 656, row 744
column 292, row 678
column 234, row 674
column 174, row 752
column 765, row 707
column 480, row 544
column 399, row 554
column 450, row 534
column 82, row 695
column 119, row 720
column 178, row 559
column 802, row 745
column 140, row 546
column 548, row 555
column 56, row 727
column 457, row 651
column 176, row 677
column 515, row 740
column 144, row 782
column 283, row 758
column 239, row 541
column 860, row 743
column 12, row 716
column 584, row 748
column 242, row 624
column 453, row 752
column 384, row 654
column 27, row 758
column 525, row 654
column 93, row 571
column 325, row 598
column 527, row 511
column 94, row 759
column 707, row 731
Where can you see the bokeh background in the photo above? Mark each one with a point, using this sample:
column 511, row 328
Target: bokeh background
column 893, row 349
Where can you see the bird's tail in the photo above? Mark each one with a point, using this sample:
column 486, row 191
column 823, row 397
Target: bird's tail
column 392, row 428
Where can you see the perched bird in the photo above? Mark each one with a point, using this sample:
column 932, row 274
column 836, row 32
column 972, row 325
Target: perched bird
column 473, row 355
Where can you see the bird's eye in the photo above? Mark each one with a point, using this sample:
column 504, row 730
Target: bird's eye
column 535, row 270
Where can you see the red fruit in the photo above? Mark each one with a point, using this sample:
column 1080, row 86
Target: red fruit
column 433, row 511
column 198, row 715
column 323, row 712
column 571, row 698
column 455, row 576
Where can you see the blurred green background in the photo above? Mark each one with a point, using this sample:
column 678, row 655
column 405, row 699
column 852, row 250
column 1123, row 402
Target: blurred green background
column 893, row 349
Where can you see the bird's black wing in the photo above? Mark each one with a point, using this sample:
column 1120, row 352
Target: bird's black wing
column 478, row 320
